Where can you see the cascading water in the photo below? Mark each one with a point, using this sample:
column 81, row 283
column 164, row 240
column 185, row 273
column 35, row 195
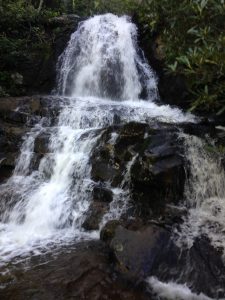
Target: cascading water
column 205, row 194
column 103, row 76
column 101, row 60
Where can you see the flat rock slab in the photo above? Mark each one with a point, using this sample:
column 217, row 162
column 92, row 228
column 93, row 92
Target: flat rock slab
column 80, row 273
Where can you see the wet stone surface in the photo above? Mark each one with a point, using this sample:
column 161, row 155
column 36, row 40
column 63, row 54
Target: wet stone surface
column 150, row 250
column 17, row 116
column 83, row 272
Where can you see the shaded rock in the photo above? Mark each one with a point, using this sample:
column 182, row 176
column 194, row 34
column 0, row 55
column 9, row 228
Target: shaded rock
column 81, row 272
column 108, row 231
column 148, row 158
column 101, row 193
column 157, row 175
column 19, row 109
column 5, row 172
column 94, row 215
column 41, row 143
column 129, row 134
column 104, row 171
column 17, row 116
column 150, row 250
column 135, row 252
column 195, row 266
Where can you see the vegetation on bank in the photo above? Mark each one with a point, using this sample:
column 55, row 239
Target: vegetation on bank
column 191, row 36
column 23, row 37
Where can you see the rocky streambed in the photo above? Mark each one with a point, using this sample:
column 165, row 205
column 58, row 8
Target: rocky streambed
column 149, row 161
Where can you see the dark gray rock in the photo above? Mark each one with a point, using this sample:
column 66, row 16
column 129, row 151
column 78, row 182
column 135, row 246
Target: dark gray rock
column 137, row 251
column 150, row 250
column 80, row 272
column 157, row 161
column 94, row 215
column 101, row 193
column 41, row 144
column 17, row 116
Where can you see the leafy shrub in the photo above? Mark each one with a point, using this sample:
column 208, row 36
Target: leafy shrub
column 193, row 35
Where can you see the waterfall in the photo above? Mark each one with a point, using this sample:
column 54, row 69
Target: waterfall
column 101, row 60
column 204, row 193
column 103, row 74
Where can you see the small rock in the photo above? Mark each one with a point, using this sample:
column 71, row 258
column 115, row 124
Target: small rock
column 94, row 215
column 103, row 194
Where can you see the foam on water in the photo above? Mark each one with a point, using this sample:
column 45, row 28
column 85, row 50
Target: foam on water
column 173, row 291
column 102, row 60
column 204, row 192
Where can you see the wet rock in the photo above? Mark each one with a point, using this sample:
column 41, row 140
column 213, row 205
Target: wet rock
column 10, row 142
column 80, row 272
column 156, row 184
column 129, row 134
column 94, row 215
column 41, row 144
column 148, row 158
column 150, row 250
column 109, row 160
column 157, row 175
column 101, row 193
column 17, row 115
column 173, row 214
column 135, row 252
column 15, row 109
column 105, row 166
column 108, row 231
column 195, row 266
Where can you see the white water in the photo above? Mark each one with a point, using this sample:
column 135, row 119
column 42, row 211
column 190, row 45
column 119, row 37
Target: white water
column 47, row 206
column 101, row 60
column 205, row 194
column 173, row 291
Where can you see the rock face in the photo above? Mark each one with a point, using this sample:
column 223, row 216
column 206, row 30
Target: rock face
column 17, row 116
column 143, row 157
column 151, row 251
column 100, row 205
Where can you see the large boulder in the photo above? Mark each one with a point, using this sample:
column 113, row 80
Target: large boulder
column 135, row 252
column 151, row 250
column 146, row 158
column 101, row 198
